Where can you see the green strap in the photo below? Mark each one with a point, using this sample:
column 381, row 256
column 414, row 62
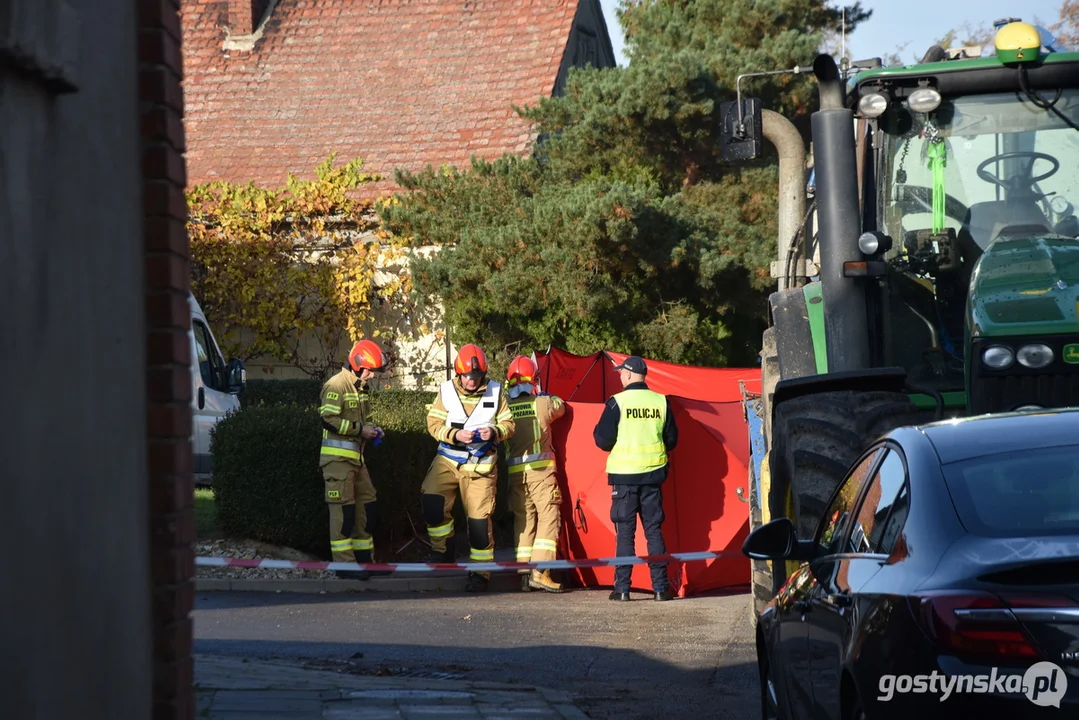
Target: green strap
column 937, row 163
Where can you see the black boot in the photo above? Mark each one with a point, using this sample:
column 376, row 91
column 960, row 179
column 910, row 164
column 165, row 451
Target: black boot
column 366, row 556
column 477, row 582
column 353, row 574
column 441, row 557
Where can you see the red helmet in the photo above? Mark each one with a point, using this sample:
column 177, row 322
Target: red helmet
column 470, row 358
column 366, row 355
column 522, row 370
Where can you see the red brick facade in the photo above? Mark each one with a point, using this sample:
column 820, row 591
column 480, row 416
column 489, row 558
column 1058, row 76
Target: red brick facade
column 168, row 421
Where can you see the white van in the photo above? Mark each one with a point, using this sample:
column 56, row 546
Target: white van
column 214, row 387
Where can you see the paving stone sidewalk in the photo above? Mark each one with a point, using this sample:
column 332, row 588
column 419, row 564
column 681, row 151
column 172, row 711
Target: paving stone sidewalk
column 229, row 688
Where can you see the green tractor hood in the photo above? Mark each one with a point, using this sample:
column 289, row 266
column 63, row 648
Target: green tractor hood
column 1025, row 286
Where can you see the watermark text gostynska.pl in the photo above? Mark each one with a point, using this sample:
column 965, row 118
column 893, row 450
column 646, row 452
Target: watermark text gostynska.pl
column 1043, row 684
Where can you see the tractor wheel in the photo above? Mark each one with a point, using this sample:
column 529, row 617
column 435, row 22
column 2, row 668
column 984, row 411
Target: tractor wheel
column 817, row 438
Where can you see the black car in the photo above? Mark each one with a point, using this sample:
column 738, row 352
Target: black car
column 945, row 568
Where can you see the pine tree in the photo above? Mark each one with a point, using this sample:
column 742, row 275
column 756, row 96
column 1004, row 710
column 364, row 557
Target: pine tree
column 624, row 230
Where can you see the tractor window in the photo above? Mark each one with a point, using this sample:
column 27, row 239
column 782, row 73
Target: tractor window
column 978, row 168
column 980, row 165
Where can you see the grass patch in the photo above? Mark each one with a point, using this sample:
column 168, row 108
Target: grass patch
column 205, row 514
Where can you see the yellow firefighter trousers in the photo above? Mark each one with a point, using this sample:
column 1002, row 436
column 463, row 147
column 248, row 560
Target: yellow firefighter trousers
column 535, row 501
column 478, row 496
column 349, row 495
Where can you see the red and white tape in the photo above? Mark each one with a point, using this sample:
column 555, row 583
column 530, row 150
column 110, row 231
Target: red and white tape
column 473, row 566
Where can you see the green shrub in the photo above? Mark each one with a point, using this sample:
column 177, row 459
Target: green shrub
column 266, row 480
column 268, row 485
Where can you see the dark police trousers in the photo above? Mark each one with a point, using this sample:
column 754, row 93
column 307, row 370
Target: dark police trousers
column 627, row 501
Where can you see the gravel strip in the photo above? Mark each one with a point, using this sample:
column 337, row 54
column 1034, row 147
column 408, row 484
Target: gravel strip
column 254, row 549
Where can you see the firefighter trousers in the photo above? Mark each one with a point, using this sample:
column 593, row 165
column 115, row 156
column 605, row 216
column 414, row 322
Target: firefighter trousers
column 350, row 496
column 438, row 494
column 535, row 501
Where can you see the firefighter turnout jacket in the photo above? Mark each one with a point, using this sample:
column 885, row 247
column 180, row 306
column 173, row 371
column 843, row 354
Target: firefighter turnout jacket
column 455, row 409
column 345, row 409
column 531, row 447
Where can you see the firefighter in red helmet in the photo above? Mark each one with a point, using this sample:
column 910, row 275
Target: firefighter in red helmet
column 533, row 486
column 346, row 429
column 469, row 418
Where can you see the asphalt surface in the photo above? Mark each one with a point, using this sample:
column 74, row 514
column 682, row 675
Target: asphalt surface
column 687, row 658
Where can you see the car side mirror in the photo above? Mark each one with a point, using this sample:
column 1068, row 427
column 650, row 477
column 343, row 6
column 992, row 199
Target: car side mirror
column 777, row 540
column 237, row 376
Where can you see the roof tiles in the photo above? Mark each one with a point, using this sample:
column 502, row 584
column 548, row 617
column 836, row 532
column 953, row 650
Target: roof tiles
column 400, row 83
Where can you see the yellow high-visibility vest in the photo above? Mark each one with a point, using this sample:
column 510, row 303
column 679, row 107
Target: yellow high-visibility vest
column 639, row 446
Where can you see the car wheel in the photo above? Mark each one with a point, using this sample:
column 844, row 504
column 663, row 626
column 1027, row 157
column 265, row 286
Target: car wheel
column 769, row 698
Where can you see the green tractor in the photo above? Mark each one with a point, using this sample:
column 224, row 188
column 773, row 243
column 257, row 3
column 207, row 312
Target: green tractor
column 936, row 271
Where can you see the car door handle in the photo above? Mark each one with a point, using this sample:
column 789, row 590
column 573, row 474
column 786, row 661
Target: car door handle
column 838, row 599
column 202, row 398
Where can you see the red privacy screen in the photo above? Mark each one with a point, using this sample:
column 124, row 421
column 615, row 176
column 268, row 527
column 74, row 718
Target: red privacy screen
column 700, row 502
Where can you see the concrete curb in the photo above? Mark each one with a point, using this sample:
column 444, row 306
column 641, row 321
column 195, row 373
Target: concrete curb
column 501, row 582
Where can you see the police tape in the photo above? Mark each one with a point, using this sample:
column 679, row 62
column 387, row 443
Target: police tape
column 471, row 566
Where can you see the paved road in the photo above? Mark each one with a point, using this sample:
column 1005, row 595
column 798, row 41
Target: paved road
column 689, row 658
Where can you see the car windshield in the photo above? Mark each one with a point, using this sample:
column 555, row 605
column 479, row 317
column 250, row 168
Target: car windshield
column 981, row 164
column 1018, row 494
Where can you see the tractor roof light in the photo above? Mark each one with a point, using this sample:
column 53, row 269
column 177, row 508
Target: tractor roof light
column 873, row 105
column 924, row 100
column 1018, row 42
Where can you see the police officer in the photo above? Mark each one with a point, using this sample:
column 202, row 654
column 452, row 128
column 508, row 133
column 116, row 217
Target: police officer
column 637, row 427
column 346, row 429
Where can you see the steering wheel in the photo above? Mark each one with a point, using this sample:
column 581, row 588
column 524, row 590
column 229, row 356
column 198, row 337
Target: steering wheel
column 984, row 175
column 916, row 200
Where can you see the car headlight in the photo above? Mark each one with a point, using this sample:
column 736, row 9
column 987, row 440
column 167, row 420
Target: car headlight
column 1035, row 356
column 998, row 357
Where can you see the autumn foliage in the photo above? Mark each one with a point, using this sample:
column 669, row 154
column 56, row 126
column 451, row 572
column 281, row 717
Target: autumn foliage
column 275, row 266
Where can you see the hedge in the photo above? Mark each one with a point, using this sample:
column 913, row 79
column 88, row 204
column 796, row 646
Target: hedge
column 268, row 486
column 280, row 392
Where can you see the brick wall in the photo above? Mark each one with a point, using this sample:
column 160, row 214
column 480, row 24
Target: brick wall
column 172, row 517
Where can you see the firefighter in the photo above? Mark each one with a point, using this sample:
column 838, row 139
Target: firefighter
column 469, row 418
column 533, row 486
column 637, row 428
column 345, row 432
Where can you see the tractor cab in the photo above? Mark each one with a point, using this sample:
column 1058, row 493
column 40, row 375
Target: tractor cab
column 970, row 184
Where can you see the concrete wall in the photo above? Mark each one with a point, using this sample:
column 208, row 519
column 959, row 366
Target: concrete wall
column 75, row 609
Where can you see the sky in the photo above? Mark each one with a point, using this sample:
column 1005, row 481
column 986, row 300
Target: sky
column 916, row 23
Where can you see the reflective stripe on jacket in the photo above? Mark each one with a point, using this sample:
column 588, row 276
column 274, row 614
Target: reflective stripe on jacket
column 531, row 447
column 454, row 409
column 345, row 408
